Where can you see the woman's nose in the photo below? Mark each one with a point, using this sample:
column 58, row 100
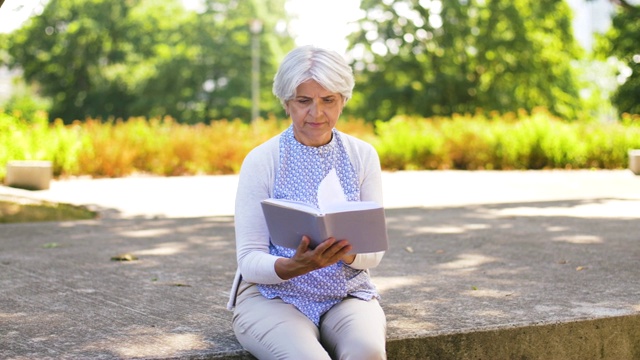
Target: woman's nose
column 315, row 109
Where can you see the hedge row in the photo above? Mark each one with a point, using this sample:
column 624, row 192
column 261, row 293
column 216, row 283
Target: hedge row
column 165, row 147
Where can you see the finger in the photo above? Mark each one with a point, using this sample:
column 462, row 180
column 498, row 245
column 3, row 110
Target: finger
column 348, row 259
column 345, row 247
column 342, row 253
column 325, row 245
column 338, row 249
column 304, row 244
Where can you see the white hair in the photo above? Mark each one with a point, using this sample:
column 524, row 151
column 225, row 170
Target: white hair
column 305, row 63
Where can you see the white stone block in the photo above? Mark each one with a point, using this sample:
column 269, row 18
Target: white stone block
column 634, row 161
column 32, row 175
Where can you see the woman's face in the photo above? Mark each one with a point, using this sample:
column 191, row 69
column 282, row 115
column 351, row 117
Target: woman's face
column 314, row 112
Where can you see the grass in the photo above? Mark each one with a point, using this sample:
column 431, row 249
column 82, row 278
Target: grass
column 31, row 211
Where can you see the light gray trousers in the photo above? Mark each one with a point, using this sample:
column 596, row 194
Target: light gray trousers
column 273, row 329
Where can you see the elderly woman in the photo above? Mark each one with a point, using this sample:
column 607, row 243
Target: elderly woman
column 306, row 303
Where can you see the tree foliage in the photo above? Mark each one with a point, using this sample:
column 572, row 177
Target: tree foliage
column 622, row 41
column 434, row 57
column 123, row 58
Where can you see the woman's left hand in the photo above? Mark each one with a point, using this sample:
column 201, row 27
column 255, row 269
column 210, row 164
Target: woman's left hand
column 306, row 260
column 348, row 259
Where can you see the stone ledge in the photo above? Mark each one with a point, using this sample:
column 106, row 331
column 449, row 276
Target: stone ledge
column 536, row 279
column 634, row 161
column 31, row 175
column 606, row 338
column 612, row 338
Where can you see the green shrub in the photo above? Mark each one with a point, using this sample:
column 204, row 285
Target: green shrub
column 507, row 142
column 116, row 148
column 405, row 144
column 36, row 139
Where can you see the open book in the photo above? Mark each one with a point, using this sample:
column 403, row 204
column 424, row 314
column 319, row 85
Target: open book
column 362, row 223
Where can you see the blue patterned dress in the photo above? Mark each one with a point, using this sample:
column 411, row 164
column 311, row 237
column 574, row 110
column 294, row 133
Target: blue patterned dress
column 301, row 170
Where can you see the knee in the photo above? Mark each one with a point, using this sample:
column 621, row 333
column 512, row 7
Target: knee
column 363, row 350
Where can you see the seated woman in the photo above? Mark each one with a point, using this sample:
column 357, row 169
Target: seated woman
column 307, row 303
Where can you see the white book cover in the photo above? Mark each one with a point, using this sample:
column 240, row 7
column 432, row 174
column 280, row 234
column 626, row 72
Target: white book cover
column 362, row 223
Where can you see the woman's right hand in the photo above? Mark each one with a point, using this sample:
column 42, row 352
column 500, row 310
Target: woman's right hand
column 306, row 260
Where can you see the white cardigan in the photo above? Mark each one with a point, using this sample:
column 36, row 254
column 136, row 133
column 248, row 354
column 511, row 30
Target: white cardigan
column 256, row 183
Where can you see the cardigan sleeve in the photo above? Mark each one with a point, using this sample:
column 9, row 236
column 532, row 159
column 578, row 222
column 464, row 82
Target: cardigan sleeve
column 255, row 184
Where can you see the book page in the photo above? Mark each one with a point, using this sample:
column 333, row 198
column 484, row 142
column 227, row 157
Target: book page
column 330, row 191
column 333, row 208
column 351, row 206
column 294, row 205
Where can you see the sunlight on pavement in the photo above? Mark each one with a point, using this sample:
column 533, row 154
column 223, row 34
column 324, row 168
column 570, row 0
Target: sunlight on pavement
column 580, row 239
column 468, row 262
column 593, row 209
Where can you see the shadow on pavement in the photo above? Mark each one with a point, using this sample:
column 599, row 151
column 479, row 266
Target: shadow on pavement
column 485, row 266
column 448, row 270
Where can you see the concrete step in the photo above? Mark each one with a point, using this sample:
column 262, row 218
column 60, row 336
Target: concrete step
column 522, row 280
column 482, row 265
column 603, row 338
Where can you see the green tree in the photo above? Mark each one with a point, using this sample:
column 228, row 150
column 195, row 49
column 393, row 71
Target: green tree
column 99, row 58
column 85, row 56
column 223, row 39
column 433, row 57
column 621, row 41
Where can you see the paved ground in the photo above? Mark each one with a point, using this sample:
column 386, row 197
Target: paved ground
column 539, row 264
